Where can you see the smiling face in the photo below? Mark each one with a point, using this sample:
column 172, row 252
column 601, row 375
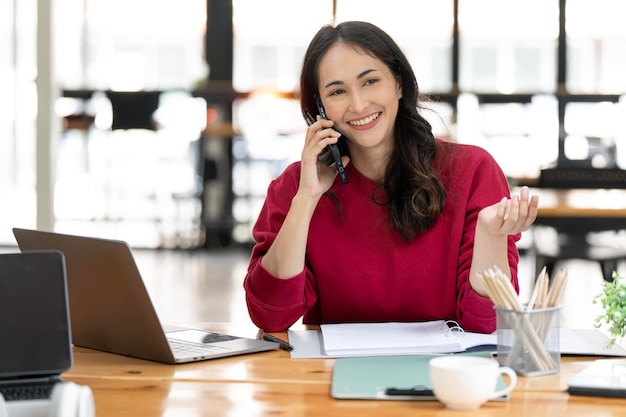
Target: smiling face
column 361, row 94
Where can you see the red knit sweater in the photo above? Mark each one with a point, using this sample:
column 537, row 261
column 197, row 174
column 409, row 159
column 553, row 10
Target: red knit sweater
column 357, row 270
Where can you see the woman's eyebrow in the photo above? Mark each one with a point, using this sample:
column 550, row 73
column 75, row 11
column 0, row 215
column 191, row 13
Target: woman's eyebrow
column 364, row 73
column 361, row 75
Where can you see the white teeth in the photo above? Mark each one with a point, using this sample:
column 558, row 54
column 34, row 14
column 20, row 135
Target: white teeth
column 365, row 121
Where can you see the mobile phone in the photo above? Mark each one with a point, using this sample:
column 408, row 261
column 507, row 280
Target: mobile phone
column 334, row 149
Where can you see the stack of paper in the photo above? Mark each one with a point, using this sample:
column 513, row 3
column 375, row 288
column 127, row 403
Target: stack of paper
column 364, row 339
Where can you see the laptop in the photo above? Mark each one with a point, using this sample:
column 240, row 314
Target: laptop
column 111, row 309
column 35, row 335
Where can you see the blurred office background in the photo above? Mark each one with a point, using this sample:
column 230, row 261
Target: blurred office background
column 216, row 115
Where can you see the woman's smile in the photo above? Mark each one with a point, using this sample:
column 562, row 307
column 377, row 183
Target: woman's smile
column 365, row 123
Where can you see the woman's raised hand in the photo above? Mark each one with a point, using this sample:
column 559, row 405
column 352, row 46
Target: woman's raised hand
column 510, row 215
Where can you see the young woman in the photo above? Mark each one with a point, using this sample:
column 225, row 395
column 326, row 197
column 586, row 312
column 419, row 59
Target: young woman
column 404, row 239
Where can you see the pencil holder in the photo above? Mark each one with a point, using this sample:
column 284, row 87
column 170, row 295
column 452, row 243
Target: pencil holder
column 528, row 340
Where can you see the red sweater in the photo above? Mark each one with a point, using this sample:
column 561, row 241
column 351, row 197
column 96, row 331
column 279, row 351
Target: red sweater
column 357, row 270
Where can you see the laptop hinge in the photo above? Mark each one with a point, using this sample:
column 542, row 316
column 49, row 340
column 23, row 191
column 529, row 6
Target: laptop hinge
column 51, row 379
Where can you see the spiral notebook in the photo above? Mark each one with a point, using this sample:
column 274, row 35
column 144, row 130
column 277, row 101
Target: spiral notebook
column 394, row 338
column 431, row 337
column 363, row 339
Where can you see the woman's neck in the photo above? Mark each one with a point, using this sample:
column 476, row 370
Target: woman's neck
column 372, row 165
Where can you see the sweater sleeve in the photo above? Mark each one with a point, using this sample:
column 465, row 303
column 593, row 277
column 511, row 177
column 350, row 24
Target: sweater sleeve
column 486, row 187
column 274, row 304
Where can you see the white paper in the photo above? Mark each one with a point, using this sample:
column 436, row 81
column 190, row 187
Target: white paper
column 586, row 342
column 358, row 339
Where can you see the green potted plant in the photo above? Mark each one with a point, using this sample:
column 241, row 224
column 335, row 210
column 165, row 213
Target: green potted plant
column 613, row 302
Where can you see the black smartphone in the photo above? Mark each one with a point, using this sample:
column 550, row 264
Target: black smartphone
column 334, row 149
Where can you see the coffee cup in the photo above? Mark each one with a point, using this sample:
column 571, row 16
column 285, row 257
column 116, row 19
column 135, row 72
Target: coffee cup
column 463, row 382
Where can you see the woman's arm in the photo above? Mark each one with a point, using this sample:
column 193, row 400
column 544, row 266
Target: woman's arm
column 273, row 303
column 285, row 258
column 495, row 223
column 278, row 287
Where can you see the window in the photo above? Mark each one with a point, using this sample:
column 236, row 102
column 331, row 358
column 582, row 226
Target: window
column 596, row 46
column 499, row 88
column 500, row 53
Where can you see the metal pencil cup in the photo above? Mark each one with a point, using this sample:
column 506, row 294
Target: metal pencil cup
column 528, row 340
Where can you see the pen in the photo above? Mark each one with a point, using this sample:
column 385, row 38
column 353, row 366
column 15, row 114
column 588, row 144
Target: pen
column 417, row 391
column 283, row 345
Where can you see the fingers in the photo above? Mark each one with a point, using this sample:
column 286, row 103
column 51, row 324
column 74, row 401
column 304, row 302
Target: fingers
column 521, row 211
column 504, row 209
column 316, row 176
column 319, row 135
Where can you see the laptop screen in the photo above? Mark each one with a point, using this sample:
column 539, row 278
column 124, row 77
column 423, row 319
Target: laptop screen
column 35, row 336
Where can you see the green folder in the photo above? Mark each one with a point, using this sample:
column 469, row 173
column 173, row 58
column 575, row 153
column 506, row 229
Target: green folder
column 388, row 377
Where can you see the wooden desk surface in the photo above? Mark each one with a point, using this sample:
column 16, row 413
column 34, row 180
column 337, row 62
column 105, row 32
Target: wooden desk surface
column 273, row 384
column 139, row 398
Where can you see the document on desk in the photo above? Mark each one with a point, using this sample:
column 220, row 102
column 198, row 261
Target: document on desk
column 367, row 339
column 313, row 343
column 363, row 339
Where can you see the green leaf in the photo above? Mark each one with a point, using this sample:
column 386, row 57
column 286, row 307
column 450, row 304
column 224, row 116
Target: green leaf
column 613, row 302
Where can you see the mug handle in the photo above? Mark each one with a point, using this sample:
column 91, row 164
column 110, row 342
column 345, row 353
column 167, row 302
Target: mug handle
column 505, row 370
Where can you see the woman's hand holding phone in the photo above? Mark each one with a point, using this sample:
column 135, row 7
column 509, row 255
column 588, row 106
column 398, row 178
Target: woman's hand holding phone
column 333, row 148
column 316, row 177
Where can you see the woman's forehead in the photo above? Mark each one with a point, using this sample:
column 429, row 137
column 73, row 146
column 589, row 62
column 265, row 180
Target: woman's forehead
column 343, row 62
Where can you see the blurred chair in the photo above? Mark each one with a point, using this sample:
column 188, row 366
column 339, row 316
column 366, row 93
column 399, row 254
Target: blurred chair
column 133, row 158
column 572, row 240
column 133, row 109
column 570, row 246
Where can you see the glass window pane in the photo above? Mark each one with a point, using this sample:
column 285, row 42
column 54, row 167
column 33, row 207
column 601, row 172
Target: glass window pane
column 18, row 112
column 593, row 133
column 270, row 38
column 130, row 45
column 499, row 53
column 596, row 38
column 427, row 44
column 522, row 137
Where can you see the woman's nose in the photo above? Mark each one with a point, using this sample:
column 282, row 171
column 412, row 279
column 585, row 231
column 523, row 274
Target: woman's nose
column 358, row 103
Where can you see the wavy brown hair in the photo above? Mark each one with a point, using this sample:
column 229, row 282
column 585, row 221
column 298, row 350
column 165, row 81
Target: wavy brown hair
column 415, row 194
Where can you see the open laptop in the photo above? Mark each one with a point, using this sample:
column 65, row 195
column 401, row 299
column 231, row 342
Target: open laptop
column 35, row 336
column 112, row 311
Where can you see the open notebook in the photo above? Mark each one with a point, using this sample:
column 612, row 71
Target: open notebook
column 364, row 339
column 439, row 336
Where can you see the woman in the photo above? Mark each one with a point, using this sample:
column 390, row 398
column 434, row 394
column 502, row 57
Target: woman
column 404, row 239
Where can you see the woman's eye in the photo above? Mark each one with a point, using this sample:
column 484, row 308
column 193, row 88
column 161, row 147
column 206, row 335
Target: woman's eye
column 371, row 81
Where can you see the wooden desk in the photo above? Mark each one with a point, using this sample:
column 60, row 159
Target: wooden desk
column 273, row 384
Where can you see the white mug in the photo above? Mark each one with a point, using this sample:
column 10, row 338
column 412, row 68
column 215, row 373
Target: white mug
column 463, row 382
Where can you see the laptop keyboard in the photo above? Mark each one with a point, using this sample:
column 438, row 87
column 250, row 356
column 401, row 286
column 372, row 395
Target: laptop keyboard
column 206, row 348
column 26, row 392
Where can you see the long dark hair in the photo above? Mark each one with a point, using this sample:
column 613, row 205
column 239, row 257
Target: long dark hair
column 414, row 192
